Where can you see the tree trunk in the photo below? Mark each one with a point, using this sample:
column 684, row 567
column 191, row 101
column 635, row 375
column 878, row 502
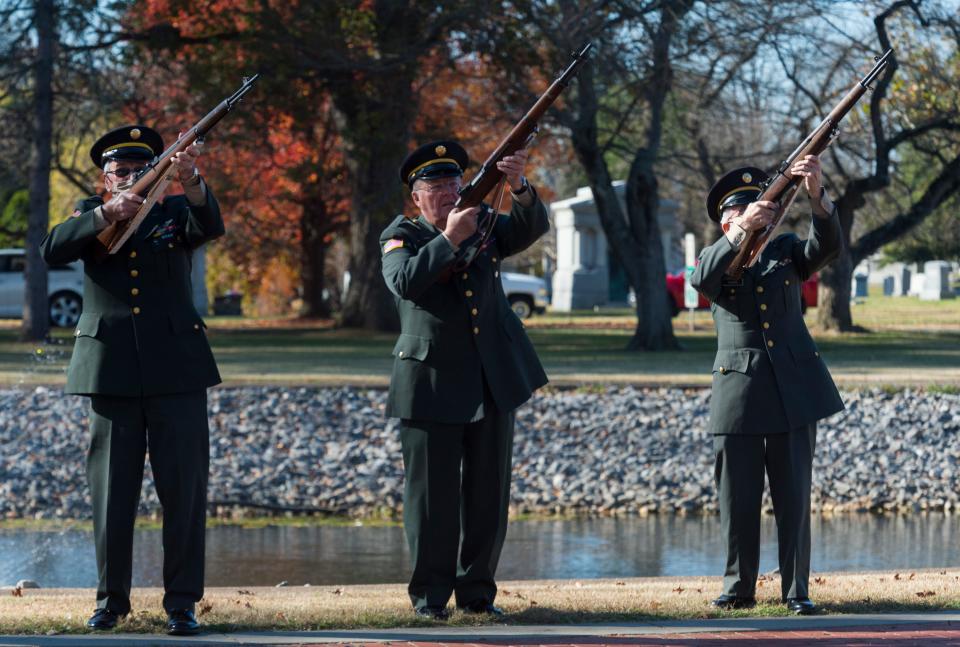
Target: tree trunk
column 377, row 200
column 833, row 292
column 378, row 144
column 654, row 324
column 313, row 258
column 36, row 314
column 833, row 298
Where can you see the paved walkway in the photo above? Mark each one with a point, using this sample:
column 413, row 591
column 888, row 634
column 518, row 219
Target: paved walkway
column 886, row 629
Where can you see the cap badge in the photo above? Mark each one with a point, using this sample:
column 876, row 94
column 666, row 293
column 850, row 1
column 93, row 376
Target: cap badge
column 135, row 133
column 746, row 177
column 440, row 150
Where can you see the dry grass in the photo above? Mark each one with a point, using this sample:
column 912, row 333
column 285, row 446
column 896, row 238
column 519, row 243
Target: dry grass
column 527, row 602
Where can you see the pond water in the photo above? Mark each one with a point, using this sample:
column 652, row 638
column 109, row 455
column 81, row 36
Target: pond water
column 549, row 549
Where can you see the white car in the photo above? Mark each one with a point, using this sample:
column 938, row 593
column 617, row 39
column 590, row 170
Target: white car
column 64, row 286
column 526, row 294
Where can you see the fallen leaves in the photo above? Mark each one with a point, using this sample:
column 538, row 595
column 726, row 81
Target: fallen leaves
column 519, row 596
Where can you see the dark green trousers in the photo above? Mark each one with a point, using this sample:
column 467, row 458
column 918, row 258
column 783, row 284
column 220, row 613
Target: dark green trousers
column 455, row 503
column 739, row 468
column 173, row 428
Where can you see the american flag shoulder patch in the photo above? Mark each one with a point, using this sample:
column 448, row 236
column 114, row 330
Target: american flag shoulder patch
column 392, row 244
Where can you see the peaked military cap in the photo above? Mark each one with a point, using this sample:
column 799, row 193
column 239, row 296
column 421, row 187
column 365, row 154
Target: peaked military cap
column 739, row 186
column 133, row 142
column 438, row 159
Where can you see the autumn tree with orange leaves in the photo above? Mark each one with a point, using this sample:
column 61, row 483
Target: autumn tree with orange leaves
column 359, row 69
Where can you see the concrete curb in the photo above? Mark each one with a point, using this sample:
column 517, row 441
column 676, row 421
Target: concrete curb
column 512, row 634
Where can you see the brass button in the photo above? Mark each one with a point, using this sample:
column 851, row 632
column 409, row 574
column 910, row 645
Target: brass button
column 733, row 291
column 400, row 354
column 170, row 245
column 134, row 273
column 464, row 277
column 769, row 343
column 196, row 326
column 135, row 291
column 474, row 312
column 766, row 325
column 816, row 353
column 133, row 254
column 469, row 293
column 136, row 310
column 763, row 306
column 476, row 331
column 787, row 282
column 759, row 289
column 723, row 370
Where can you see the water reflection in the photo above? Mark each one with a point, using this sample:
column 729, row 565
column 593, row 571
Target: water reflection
column 587, row 548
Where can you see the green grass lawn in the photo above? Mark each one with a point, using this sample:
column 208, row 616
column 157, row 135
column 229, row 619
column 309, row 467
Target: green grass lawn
column 908, row 342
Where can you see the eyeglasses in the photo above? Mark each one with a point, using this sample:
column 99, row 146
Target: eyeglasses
column 124, row 171
column 450, row 186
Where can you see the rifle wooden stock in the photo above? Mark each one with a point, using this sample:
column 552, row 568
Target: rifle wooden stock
column 153, row 181
column 783, row 187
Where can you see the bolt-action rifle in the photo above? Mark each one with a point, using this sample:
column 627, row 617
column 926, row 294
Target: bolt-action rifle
column 152, row 181
column 490, row 177
column 782, row 187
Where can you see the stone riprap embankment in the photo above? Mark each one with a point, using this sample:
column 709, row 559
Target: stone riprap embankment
column 601, row 451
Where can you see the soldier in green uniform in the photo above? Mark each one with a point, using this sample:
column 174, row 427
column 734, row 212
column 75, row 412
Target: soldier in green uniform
column 463, row 364
column 142, row 357
column 770, row 385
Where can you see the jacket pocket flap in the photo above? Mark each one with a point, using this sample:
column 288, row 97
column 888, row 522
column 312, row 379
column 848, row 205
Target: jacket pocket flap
column 732, row 360
column 182, row 322
column 803, row 352
column 411, row 347
column 88, row 325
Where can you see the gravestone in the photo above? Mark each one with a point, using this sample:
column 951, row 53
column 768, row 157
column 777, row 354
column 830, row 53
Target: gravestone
column 859, row 286
column 901, row 281
column 888, row 286
column 936, row 283
column 582, row 277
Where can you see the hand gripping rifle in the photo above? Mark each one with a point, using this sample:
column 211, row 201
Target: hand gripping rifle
column 489, row 176
column 152, row 181
column 782, row 187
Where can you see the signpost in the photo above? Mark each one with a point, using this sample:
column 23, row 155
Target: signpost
column 690, row 296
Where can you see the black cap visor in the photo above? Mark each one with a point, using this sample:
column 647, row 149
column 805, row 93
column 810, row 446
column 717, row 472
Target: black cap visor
column 135, row 153
column 741, row 196
column 436, row 172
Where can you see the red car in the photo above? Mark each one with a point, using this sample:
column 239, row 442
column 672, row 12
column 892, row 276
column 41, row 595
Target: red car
column 808, row 293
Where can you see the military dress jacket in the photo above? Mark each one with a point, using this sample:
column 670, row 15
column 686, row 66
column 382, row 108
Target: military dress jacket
column 139, row 333
column 459, row 338
column 768, row 376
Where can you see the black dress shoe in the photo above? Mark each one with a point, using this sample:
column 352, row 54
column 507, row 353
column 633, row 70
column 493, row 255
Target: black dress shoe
column 734, row 602
column 182, row 622
column 482, row 606
column 103, row 620
column 801, row 606
column 433, row 613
